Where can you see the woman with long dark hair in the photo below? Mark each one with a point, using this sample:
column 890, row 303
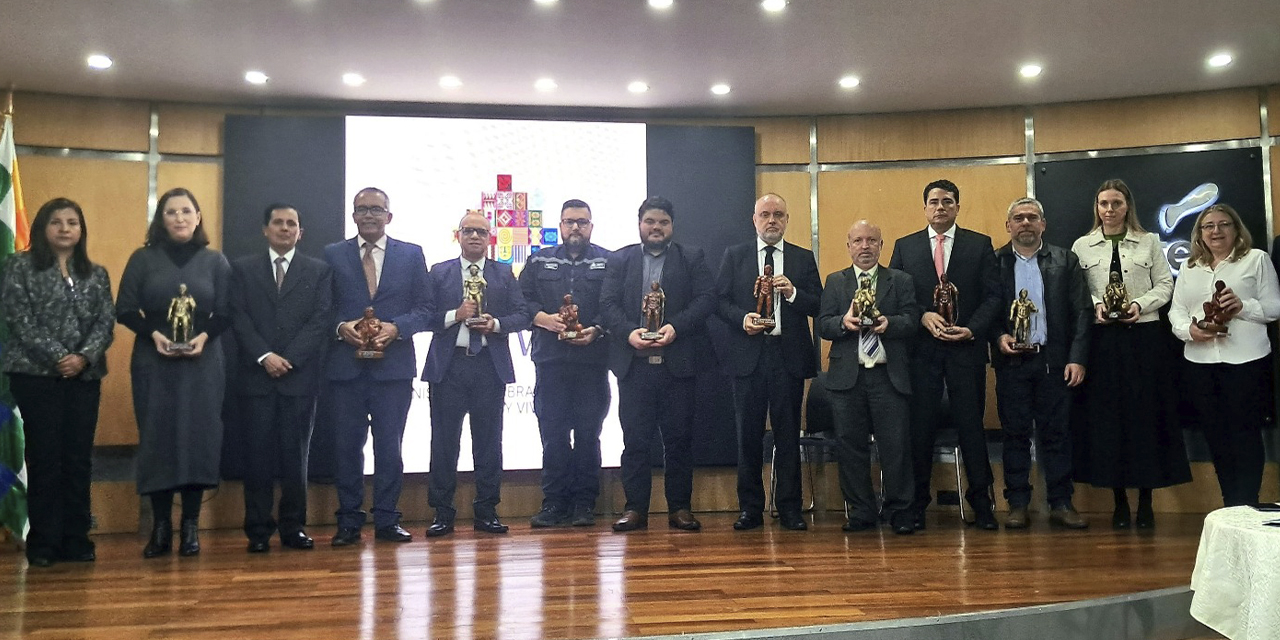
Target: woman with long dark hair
column 58, row 308
column 174, row 296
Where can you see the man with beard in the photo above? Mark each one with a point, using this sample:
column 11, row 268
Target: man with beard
column 571, row 397
column 656, row 377
column 771, row 364
column 1032, row 385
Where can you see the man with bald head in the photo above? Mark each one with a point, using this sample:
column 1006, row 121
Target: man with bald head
column 770, row 364
column 468, row 368
column 869, row 380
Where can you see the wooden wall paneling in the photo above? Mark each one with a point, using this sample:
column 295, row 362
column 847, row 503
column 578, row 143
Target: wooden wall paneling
column 45, row 120
column 794, row 188
column 113, row 195
column 204, row 179
column 973, row 133
column 193, row 129
column 1141, row 122
column 778, row 140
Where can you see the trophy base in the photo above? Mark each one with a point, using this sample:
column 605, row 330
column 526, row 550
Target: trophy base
column 181, row 347
column 652, row 336
column 951, row 330
column 568, row 335
column 1024, row 348
column 368, row 355
column 766, row 323
column 867, row 322
column 475, row 322
column 1213, row 327
column 1115, row 315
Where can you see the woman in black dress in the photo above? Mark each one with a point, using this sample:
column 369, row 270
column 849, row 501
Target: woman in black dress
column 176, row 282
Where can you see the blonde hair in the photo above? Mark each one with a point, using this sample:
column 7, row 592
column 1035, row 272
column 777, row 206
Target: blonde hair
column 1200, row 254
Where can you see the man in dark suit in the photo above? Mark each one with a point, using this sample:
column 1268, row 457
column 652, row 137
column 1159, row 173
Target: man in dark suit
column 869, row 379
column 950, row 359
column 468, row 368
column 656, row 376
column 771, row 364
column 281, row 310
column 373, row 270
column 1032, row 384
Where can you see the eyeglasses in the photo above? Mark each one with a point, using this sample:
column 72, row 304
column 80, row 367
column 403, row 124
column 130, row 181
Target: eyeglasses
column 473, row 231
column 371, row 211
column 580, row 223
column 1220, row 226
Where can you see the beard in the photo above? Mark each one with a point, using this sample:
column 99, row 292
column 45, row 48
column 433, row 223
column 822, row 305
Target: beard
column 656, row 246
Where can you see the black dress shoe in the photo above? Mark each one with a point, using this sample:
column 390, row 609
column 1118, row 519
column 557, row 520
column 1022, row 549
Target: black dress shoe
column 79, row 554
column 917, row 520
column 747, row 521
column 161, row 542
column 440, row 527
column 792, row 522
column 392, row 533
column 1146, row 517
column 1120, row 518
column 40, row 561
column 631, row 521
column 258, row 546
column 903, row 523
column 984, row 516
column 190, row 538
column 346, row 536
column 583, row 516
column 297, row 540
column 489, row 525
column 857, row 525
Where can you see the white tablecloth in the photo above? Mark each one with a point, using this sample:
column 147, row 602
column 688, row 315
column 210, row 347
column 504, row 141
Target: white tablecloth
column 1237, row 576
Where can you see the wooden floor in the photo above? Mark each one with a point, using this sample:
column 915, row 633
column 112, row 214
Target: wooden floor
column 576, row 583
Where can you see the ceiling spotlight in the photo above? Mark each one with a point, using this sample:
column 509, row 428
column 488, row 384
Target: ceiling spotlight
column 99, row 62
column 255, row 77
column 637, row 87
column 545, row 84
column 1030, row 70
column 546, row 2
column 352, row 79
column 661, row 4
column 1219, row 60
column 773, row 5
column 450, row 82
column 720, row 89
column 849, row 82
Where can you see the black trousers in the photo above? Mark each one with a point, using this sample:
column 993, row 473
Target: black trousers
column 571, row 402
column 770, row 391
column 965, row 383
column 471, row 387
column 1032, row 398
column 873, row 405
column 651, row 400
column 1229, row 403
column 59, row 419
column 279, row 440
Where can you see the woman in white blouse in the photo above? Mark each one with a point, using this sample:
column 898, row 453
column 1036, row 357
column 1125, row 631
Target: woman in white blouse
column 1125, row 432
column 1228, row 377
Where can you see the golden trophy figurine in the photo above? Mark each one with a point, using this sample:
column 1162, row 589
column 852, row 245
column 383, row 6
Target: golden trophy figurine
column 766, row 299
column 368, row 328
column 863, row 304
column 653, row 306
column 1020, row 313
column 473, row 289
column 569, row 318
column 1115, row 299
column 180, row 317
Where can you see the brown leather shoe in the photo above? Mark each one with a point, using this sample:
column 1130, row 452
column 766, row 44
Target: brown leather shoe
column 682, row 519
column 1018, row 518
column 1068, row 518
column 630, row 521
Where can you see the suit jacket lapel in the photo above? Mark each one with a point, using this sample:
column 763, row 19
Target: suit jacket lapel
column 353, row 258
column 453, row 282
column 292, row 276
column 265, row 274
column 884, row 283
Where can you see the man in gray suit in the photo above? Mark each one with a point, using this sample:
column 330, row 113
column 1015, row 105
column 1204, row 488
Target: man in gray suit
column 869, row 380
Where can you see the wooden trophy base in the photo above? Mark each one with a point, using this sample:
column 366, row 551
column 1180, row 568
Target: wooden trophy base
column 651, row 336
column 764, row 323
column 368, row 355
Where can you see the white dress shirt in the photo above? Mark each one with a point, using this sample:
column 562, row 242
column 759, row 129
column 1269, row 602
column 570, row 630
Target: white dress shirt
column 1253, row 280
column 949, row 240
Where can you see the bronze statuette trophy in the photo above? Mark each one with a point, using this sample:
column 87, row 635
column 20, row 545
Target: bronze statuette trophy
column 863, row 304
column 1115, row 300
column 1215, row 319
column 653, row 306
column 181, row 315
column 766, row 298
column 473, row 289
column 1020, row 313
column 368, row 329
column 569, row 318
column 946, row 297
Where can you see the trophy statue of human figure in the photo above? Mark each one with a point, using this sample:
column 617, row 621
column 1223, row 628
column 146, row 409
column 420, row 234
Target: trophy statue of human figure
column 863, row 304
column 569, row 318
column 181, row 314
column 1215, row 319
column 473, row 289
column 766, row 298
column 368, row 328
column 946, row 297
column 653, row 306
column 1115, row 299
column 1020, row 313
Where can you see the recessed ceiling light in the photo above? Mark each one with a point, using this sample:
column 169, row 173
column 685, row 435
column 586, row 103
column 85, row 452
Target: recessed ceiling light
column 661, row 4
column 637, row 87
column 773, row 5
column 352, row 79
column 849, row 82
column 1030, row 70
column 720, row 89
column 545, row 1
column 545, row 84
column 1219, row 60
column 99, row 62
column 450, row 82
column 255, row 77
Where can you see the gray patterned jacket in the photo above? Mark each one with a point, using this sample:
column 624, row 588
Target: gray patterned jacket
column 49, row 318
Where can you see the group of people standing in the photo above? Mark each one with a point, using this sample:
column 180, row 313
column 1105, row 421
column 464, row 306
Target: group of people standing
column 302, row 322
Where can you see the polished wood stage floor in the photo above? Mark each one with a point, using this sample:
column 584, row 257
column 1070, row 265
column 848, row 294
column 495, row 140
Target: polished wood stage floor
column 584, row 583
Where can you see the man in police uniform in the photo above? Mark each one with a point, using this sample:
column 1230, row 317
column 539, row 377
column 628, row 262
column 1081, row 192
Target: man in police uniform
column 572, row 395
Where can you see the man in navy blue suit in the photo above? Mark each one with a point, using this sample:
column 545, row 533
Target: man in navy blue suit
column 372, row 270
column 468, row 368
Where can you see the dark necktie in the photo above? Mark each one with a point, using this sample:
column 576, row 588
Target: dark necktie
column 279, row 272
column 768, row 257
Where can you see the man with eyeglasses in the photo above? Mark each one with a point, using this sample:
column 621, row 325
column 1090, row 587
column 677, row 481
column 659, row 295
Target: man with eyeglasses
column 468, row 368
column 1032, row 384
column 373, row 270
column 571, row 397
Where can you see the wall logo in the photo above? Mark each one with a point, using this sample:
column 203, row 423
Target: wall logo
column 1176, row 250
column 516, row 217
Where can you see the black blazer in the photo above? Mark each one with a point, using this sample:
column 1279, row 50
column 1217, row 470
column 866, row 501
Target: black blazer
column 1069, row 309
column 295, row 323
column 738, row 273
column 502, row 299
column 690, row 299
column 896, row 299
column 972, row 269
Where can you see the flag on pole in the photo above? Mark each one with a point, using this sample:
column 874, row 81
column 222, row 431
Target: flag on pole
column 14, row 231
